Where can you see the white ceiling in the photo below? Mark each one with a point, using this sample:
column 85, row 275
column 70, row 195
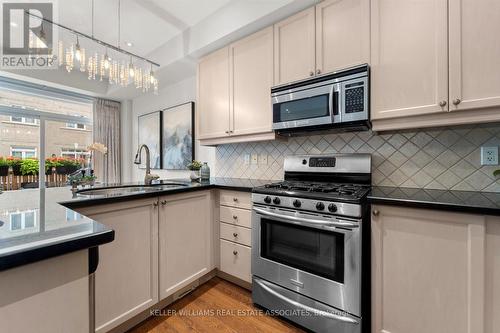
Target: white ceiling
column 147, row 24
column 173, row 33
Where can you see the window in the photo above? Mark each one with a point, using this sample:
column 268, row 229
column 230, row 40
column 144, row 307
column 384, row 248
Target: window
column 76, row 126
column 23, row 220
column 24, row 120
column 23, row 152
column 74, row 153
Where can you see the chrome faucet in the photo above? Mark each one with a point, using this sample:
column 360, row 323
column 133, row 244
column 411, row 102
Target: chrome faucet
column 148, row 178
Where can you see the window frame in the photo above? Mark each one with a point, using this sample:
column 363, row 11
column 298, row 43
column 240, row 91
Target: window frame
column 23, row 151
column 36, row 122
column 22, row 214
column 75, row 127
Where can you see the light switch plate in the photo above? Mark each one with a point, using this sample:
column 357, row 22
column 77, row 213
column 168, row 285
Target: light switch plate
column 263, row 159
column 489, row 155
column 247, row 159
column 254, row 159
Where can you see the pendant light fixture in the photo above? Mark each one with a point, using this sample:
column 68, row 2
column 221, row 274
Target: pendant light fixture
column 121, row 67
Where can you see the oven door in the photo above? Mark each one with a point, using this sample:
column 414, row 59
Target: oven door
column 314, row 255
column 306, row 106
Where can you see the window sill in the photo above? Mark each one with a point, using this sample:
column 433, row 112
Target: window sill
column 75, row 129
column 19, row 123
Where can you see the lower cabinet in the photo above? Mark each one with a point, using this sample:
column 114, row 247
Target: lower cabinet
column 235, row 260
column 126, row 281
column 434, row 271
column 186, row 242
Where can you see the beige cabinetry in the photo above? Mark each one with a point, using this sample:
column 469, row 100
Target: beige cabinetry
column 434, row 61
column 234, row 91
column 342, row 34
column 186, row 243
column 47, row 296
column 235, row 236
column 409, row 58
column 126, row 280
column 294, row 47
column 333, row 35
column 434, row 271
column 213, row 95
column 474, row 54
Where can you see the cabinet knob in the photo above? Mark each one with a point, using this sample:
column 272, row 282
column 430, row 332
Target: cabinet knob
column 155, row 204
column 235, row 217
column 442, row 104
column 376, row 213
column 227, row 132
column 235, row 252
column 318, row 71
column 311, row 73
column 164, row 202
column 235, row 199
column 456, row 101
column 235, row 234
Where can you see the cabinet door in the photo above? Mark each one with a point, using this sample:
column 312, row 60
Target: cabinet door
column 294, row 49
column 474, row 54
column 428, row 272
column 213, row 95
column 342, row 34
column 251, row 77
column 186, row 242
column 409, row 58
column 126, row 281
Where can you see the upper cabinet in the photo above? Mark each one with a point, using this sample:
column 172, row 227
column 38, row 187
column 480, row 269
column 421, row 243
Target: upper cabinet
column 433, row 61
column 294, row 48
column 213, row 95
column 251, row 78
column 409, row 58
column 331, row 36
column 234, row 91
column 342, row 34
column 474, row 54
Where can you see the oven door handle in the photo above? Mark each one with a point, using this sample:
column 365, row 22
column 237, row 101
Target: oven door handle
column 306, row 307
column 306, row 221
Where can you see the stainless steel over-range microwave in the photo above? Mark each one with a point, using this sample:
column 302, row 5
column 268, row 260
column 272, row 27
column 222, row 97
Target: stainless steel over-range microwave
column 335, row 100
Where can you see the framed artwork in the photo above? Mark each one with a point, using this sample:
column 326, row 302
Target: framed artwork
column 150, row 134
column 178, row 136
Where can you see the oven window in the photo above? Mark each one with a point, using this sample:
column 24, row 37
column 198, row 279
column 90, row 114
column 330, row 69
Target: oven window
column 306, row 108
column 312, row 250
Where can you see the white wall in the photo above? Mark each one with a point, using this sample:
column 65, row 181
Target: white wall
column 181, row 92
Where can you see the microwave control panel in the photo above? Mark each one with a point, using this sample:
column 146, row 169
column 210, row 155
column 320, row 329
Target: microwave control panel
column 354, row 97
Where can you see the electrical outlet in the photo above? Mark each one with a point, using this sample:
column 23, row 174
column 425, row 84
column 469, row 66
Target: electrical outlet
column 489, row 155
column 263, row 159
column 247, row 159
column 254, row 159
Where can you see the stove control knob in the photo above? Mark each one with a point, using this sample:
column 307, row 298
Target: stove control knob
column 320, row 206
column 276, row 201
column 332, row 208
column 297, row 203
column 267, row 199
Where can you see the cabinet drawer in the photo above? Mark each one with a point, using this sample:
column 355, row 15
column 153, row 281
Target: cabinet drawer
column 236, row 216
column 236, row 199
column 236, row 234
column 235, row 260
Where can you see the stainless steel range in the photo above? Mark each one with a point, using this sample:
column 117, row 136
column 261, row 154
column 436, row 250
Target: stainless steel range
column 310, row 243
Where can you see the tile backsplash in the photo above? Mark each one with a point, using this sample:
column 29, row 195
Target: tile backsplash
column 439, row 158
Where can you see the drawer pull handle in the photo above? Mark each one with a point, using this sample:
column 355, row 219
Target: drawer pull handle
column 376, row 213
column 235, row 252
column 235, row 199
column 164, row 202
column 235, row 217
column 235, row 234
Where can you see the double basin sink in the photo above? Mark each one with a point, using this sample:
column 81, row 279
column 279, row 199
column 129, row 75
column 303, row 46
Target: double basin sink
column 130, row 189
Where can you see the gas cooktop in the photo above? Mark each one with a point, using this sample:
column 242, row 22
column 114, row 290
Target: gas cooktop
column 319, row 190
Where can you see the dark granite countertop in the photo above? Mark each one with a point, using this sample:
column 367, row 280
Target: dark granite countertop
column 154, row 190
column 486, row 203
column 33, row 227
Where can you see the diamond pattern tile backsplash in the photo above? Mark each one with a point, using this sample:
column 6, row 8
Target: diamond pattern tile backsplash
column 442, row 158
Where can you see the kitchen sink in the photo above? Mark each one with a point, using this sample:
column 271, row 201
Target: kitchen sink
column 125, row 190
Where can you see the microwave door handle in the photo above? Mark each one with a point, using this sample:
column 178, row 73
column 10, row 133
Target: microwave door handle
column 305, row 307
column 306, row 221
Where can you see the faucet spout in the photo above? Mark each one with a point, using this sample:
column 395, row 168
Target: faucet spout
column 148, row 178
